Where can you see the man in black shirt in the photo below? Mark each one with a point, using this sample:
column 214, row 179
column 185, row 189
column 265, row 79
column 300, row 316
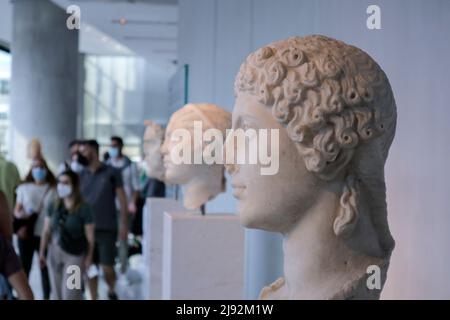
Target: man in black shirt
column 100, row 186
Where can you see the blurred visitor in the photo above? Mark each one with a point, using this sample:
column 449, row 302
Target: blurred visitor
column 130, row 178
column 128, row 169
column 106, row 156
column 150, row 188
column 9, row 180
column 101, row 184
column 75, row 161
column 10, row 267
column 33, row 197
column 34, row 150
column 69, row 235
column 6, row 229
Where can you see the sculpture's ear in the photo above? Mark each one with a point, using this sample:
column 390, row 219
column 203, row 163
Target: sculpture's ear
column 347, row 216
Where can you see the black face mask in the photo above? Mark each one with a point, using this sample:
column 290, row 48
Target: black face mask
column 82, row 159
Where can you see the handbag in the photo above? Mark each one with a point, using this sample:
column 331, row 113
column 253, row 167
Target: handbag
column 24, row 227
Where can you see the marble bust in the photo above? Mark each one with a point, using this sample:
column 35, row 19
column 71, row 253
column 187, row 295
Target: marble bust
column 199, row 182
column 336, row 115
column 153, row 139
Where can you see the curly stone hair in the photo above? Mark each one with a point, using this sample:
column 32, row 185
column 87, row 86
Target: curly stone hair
column 333, row 99
column 211, row 115
column 156, row 130
column 330, row 95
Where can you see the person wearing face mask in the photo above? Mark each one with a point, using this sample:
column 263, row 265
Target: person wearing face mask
column 128, row 168
column 131, row 185
column 33, row 197
column 101, row 184
column 76, row 162
column 69, row 235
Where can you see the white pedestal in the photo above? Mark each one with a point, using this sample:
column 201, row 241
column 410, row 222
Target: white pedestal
column 203, row 256
column 153, row 243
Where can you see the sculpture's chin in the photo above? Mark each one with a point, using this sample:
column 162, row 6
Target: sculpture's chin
column 250, row 219
column 170, row 178
column 245, row 222
column 160, row 172
column 257, row 218
column 244, row 217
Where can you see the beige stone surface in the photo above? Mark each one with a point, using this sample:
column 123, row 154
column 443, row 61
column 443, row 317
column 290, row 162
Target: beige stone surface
column 152, row 141
column 200, row 182
column 203, row 256
column 336, row 115
column 153, row 242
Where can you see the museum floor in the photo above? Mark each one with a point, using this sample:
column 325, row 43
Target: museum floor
column 128, row 287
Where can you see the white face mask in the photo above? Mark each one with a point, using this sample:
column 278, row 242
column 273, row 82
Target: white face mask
column 113, row 152
column 76, row 166
column 64, row 190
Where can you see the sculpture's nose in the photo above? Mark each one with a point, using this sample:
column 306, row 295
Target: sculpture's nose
column 163, row 149
column 228, row 154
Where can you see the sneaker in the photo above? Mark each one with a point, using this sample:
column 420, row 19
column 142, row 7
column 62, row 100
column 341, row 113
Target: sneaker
column 112, row 296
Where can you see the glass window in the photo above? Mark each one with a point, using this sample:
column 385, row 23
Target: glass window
column 113, row 102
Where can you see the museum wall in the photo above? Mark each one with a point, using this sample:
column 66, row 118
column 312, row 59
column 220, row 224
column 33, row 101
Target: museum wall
column 413, row 48
column 5, row 22
column 157, row 79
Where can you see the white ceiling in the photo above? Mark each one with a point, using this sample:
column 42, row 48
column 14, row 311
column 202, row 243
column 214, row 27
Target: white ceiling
column 148, row 28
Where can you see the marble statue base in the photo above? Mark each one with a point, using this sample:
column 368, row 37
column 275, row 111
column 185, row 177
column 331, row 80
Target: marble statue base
column 152, row 243
column 203, row 256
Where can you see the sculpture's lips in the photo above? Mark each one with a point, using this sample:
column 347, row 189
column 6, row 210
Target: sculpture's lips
column 238, row 190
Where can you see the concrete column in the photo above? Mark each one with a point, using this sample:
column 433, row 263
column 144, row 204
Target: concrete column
column 43, row 80
column 263, row 260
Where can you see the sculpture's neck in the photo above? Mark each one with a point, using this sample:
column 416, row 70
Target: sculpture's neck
column 156, row 168
column 317, row 263
column 202, row 189
column 159, row 175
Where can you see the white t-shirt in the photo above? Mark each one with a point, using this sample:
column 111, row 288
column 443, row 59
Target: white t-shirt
column 30, row 195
